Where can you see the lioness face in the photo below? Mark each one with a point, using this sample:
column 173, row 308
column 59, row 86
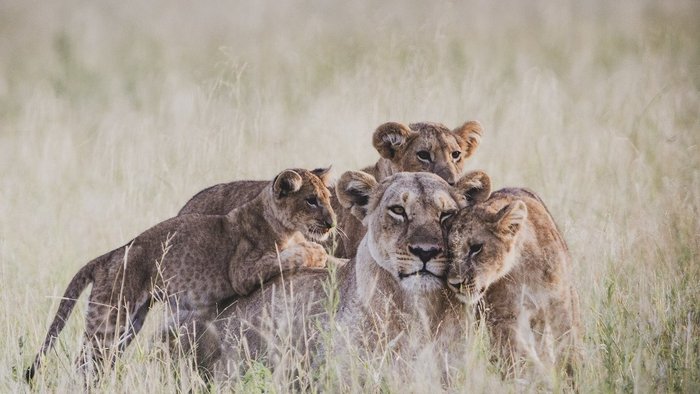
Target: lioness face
column 481, row 242
column 405, row 229
column 406, row 217
column 428, row 147
column 304, row 202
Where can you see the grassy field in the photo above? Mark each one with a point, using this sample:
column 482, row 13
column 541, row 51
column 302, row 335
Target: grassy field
column 112, row 114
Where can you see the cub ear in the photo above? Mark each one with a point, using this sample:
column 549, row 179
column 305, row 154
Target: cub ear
column 286, row 182
column 510, row 219
column 389, row 137
column 354, row 189
column 474, row 187
column 468, row 136
column 324, row 174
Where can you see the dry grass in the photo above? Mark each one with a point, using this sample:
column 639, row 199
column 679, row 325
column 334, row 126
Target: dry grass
column 113, row 114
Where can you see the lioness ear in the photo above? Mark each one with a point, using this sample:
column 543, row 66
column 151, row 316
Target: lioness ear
column 286, row 182
column 354, row 189
column 389, row 137
column 468, row 136
column 474, row 186
column 324, row 174
column 510, row 219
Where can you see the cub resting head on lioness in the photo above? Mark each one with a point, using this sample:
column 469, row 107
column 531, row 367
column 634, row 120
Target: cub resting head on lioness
column 196, row 261
column 395, row 283
column 509, row 258
column 418, row 147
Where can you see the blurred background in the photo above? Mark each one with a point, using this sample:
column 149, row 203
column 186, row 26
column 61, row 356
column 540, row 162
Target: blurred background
column 113, row 114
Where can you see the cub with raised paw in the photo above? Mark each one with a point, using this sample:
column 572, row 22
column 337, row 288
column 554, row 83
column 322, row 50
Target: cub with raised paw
column 194, row 262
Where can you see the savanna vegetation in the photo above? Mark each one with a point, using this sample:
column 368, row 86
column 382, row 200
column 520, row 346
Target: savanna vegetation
column 113, row 114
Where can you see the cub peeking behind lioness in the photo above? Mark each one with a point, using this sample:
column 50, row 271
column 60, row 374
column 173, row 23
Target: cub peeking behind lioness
column 195, row 261
column 508, row 254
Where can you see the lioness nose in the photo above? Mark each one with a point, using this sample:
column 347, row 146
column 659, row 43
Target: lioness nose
column 425, row 252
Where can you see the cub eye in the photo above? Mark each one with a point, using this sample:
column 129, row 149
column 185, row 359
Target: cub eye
column 456, row 154
column 475, row 249
column 312, row 202
column 397, row 209
column 446, row 215
column 424, row 155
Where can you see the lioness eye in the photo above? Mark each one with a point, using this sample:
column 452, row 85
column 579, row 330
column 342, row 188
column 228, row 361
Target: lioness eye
column 445, row 215
column 397, row 209
column 424, row 155
column 455, row 154
column 475, row 249
column 312, row 201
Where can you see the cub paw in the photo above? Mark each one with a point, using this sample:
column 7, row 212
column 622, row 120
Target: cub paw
column 315, row 255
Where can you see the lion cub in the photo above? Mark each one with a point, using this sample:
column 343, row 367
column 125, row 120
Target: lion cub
column 507, row 252
column 195, row 261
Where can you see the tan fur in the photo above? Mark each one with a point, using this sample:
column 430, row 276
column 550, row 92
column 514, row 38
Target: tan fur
column 395, row 283
column 399, row 147
column 509, row 257
column 424, row 147
column 194, row 262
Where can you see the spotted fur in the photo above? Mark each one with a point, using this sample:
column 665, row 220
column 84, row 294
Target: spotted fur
column 195, row 261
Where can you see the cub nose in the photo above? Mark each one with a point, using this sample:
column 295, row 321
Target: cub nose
column 425, row 252
column 329, row 223
column 448, row 176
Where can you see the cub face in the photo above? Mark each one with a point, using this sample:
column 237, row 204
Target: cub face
column 428, row 147
column 405, row 216
column 481, row 241
column 302, row 202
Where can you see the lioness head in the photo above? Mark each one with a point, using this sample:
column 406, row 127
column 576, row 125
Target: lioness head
column 428, row 147
column 302, row 202
column 481, row 239
column 405, row 216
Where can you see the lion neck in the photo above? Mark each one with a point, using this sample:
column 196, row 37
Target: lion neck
column 383, row 168
column 261, row 216
column 524, row 248
column 374, row 285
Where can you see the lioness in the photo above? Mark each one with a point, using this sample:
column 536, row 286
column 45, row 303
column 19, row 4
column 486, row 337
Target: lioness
column 418, row 147
column 395, row 282
column 506, row 251
column 195, row 261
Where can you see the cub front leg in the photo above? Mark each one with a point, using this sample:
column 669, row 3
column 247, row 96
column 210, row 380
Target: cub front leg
column 248, row 275
column 303, row 254
column 513, row 345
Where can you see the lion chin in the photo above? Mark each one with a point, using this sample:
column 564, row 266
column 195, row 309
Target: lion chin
column 422, row 282
column 467, row 294
column 471, row 298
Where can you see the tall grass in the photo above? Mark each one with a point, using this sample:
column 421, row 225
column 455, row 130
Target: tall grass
column 113, row 114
